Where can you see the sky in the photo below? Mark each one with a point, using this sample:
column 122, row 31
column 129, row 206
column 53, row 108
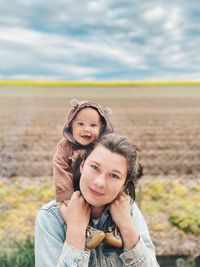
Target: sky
column 104, row 40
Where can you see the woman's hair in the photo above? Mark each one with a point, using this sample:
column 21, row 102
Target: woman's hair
column 121, row 145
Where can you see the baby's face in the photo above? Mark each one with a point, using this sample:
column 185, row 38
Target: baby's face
column 86, row 126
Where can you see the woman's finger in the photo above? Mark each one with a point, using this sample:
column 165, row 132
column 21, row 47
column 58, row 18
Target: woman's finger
column 76, row 194
column 62, row 207
column 123, row 195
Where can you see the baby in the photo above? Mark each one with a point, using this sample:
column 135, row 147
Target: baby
column 86, row 122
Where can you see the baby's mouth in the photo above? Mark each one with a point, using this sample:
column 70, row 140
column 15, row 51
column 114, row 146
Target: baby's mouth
column 86, row 136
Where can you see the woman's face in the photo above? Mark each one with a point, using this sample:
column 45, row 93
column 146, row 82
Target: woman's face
column 103, row 175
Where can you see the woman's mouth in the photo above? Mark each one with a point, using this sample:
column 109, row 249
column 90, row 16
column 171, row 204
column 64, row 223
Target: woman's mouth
column 96, row 193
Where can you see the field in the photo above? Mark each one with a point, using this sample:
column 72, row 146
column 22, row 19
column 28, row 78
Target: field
column 163, row 121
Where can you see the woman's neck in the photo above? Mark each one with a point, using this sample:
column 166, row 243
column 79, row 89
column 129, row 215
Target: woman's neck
column 96, row 212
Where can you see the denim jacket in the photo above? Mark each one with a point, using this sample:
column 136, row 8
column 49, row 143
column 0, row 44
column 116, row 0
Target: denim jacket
column 51, row 250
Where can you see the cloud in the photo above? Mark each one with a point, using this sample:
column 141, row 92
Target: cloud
column 99, row 40
column 155, row 14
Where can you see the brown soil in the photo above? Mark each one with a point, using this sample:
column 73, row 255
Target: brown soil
column 165, row 128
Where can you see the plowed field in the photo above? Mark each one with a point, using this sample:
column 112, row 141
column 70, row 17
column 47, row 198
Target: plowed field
column 164, row 122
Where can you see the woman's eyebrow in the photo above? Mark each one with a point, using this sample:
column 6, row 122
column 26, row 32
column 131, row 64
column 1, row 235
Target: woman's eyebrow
column 93, row 161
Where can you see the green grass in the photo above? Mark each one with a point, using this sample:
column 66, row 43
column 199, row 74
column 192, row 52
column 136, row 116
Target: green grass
column 179, row 202
column 22, row 197
column 20, row 255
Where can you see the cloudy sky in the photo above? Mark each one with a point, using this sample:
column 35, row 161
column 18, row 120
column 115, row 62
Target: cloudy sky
column 99, row 40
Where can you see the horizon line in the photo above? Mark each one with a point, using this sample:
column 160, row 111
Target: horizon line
column 95, row 83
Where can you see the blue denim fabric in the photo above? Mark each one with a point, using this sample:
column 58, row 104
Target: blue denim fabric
column 51, row 250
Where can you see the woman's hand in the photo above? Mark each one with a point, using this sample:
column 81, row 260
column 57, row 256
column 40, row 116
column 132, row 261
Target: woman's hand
column 77, row 211
column 120, row 210
column 76, row 215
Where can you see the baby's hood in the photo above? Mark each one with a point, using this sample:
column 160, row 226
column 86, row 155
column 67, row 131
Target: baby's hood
column 76, row 107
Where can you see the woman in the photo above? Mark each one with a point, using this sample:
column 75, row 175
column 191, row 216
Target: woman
column 107, row 175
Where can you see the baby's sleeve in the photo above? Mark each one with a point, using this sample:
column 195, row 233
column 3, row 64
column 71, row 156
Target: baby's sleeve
column 62, row 171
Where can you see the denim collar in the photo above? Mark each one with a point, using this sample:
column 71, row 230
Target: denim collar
column 105, row 220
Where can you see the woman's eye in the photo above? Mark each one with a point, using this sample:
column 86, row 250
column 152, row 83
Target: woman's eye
column 114, row 176
column 94, row 167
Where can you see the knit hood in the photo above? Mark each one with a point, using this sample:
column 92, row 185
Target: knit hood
column 76, row 107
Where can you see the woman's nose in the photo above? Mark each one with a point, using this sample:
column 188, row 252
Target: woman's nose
column 100, row 181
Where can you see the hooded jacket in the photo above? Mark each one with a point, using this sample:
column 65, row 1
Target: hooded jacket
column 68, row 150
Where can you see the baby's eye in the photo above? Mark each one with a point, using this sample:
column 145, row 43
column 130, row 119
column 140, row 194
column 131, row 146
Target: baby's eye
column 80, row 123
column 93, row 125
